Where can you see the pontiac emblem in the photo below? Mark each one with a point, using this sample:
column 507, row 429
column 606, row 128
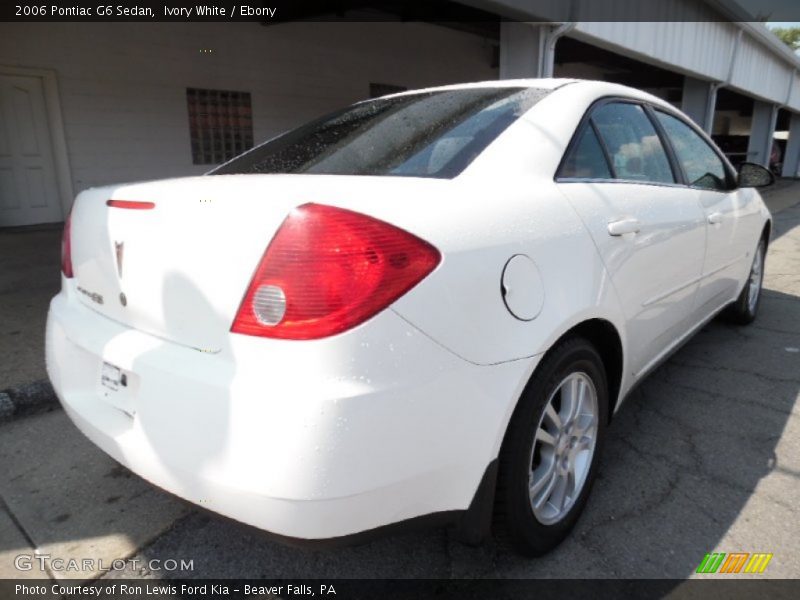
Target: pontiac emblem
column 119, row 248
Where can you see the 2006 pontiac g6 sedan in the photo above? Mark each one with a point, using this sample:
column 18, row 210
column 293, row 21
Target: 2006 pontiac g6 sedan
column 426, row 306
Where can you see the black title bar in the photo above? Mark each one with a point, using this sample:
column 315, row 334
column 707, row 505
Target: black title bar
column 280, row 11
column 397, row 589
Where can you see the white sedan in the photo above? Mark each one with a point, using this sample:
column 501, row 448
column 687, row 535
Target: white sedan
column 424, row 307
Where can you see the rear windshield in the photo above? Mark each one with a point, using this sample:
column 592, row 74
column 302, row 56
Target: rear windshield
column 431, row 134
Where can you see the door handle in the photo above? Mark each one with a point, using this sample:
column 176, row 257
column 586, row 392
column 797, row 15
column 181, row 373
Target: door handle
column 623, row 226
column 715, row 218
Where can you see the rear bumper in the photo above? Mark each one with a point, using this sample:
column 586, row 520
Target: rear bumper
column 310, row 440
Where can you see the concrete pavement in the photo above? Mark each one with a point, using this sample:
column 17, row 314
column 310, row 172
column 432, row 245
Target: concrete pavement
column 703, row 457
column 71, row 501
column 29, row 277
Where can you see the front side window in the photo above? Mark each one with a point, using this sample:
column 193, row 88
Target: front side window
column 432, row 134
column 633, row 145
column 703, row 167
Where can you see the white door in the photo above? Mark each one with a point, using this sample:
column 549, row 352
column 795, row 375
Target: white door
column 733, row 214
column 28, row 187
column 649, row 230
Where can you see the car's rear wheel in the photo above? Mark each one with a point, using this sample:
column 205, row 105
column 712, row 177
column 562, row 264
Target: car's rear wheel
column 744, row 310
column 549, row 456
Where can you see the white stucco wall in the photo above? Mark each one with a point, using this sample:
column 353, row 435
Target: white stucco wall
column 123, row 86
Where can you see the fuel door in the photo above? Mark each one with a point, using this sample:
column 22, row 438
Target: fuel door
column 522, row 288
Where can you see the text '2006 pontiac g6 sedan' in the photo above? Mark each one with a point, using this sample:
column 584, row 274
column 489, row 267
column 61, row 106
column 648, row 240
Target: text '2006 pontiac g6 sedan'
column 425, row 306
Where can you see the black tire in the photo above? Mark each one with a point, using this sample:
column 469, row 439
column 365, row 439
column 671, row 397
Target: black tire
column 515, row 523
column 743, row 311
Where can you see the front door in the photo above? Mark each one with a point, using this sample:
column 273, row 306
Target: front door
column 731, row 214
column 28, row 187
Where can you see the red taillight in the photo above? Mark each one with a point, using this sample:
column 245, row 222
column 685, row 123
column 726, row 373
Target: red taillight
column 66, row 248
column 133, row 204
column 327, row 270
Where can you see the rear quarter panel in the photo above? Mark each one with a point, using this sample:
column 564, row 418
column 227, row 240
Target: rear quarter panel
column 478, row 229
column 507, row 203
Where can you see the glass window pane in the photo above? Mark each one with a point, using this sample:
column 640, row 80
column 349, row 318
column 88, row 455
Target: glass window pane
column 633, row 144
column 703, row 167
column 586, row 160
column 215, row 118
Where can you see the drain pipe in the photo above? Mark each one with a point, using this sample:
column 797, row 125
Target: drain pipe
column 550, row 46
column 734, row 53
column 716, row 85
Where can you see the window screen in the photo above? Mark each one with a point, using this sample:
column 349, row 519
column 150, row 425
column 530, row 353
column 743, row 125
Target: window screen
column 703, row 167
column 633, row 144
column 586, row 159
column 220, row 124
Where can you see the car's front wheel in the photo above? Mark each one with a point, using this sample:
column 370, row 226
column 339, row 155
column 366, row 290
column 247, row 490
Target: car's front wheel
column 550, row 453
column 744, row 310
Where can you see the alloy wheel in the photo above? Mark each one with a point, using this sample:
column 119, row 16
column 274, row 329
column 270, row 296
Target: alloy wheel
column 754, row 284
column 563, row 447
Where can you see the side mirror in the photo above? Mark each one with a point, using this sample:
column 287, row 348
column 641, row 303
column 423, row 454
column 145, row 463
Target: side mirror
column 752, row 175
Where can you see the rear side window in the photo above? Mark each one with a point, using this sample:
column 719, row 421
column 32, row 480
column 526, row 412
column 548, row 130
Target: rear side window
column 703, row 167
column 432, row 134
column 586, row 160
column 633, row 145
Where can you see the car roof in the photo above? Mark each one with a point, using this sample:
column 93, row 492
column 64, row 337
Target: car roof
column 543, row 83
column 602, row 88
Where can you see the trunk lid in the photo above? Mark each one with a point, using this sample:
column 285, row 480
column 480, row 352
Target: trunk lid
column 179, row 270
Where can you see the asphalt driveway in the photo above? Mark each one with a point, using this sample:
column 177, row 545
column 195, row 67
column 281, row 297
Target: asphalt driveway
column 703, row 457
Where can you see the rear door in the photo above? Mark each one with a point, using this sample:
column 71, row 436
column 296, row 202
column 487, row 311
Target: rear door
column 730, row 212
column 647, row 225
